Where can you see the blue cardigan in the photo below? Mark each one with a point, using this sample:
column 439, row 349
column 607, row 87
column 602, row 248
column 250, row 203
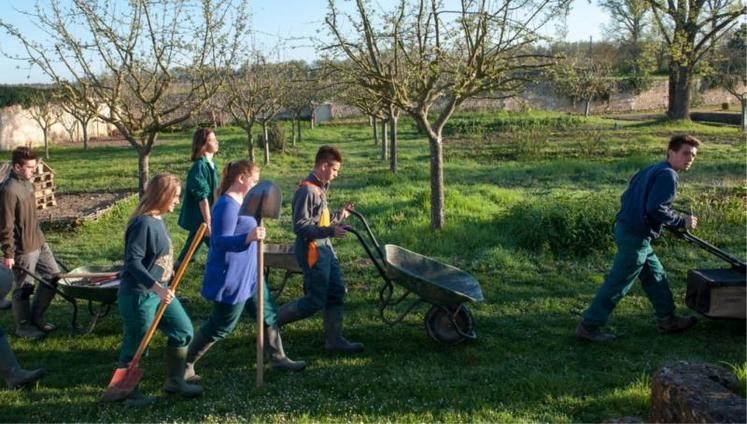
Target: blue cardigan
column 231, row 269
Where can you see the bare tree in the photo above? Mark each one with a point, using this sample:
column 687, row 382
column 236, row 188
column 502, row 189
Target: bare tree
column 252, row 97
column 46, row 112
column 151, row 63
column 689, row 28
column 425, row 58
column 82, row 107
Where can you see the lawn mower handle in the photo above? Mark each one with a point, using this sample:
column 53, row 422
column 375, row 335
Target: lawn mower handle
column 735, row 262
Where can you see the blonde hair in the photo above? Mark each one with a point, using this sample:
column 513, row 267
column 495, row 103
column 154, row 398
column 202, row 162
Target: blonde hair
column 232, row 171
column 159, row 193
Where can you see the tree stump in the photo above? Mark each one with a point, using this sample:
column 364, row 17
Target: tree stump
column 696, row 393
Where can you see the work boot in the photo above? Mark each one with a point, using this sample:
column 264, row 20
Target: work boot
column 196, row 350
column 672, row 324
column 39, row 305
column 288, row 313
column 333, row 339
column 593, row 334
column 22, row 315
column 15, row 376
column 176, row 362
column 275, row 354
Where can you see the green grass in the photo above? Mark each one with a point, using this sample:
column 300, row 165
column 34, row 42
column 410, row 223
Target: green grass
column 525, row 364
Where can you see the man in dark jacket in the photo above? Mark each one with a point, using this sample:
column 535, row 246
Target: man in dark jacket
column 23, row 244
column 646, row 207
column 314, row 227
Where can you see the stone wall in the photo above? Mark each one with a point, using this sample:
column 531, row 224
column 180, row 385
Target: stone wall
column 17, row 128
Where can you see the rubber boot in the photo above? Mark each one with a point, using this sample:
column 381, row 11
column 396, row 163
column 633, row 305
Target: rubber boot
column 288, row 313
column 275, row 353
column 333, row 339
column 22, row 315
column 15, row 376
column 39, row 306
column 176, row 362
column 199, row 346
column 136, row 399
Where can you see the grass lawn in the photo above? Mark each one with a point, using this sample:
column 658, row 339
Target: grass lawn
column 529, row 213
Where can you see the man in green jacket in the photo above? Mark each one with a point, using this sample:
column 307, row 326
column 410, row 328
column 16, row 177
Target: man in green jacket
column 23, row 245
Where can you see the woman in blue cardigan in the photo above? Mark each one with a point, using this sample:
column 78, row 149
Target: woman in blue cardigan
column 231, row 272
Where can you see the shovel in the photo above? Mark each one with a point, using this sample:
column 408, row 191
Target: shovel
column 262, row 201
column 125, row 380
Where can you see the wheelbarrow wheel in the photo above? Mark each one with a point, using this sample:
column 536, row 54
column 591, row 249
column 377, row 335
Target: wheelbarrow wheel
column 450, row 324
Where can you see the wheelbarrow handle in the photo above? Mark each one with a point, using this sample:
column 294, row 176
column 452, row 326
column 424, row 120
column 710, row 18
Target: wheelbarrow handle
column 369, row 231
column 379, row 263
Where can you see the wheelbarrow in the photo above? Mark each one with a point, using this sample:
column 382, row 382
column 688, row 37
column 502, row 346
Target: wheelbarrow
column 98, row 285
column 280, row 257
column 446, row 288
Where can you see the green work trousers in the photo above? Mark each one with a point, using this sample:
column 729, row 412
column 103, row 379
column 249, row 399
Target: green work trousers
column 322, row 283
column 225, row 316
column 635, row 258
column 138, row 311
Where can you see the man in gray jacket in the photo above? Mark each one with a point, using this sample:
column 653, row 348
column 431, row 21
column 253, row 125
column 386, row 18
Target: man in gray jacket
column 314, row 227
column 22, row 243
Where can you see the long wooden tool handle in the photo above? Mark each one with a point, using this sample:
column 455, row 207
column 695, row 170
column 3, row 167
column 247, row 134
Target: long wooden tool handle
column 87, row 275
column 174, row 283
column 260, row 311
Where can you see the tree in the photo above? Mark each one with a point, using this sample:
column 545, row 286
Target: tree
column 46, row 112
column 630, row 26
column 427, row 60
column 253, row 97
column 731, row 68
column 152, row 63
column 83, row 108
column 689, row 28
column 582, row 82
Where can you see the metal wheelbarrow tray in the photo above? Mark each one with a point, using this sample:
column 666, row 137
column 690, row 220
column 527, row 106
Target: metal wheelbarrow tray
column 445, row 287
column 100, row 294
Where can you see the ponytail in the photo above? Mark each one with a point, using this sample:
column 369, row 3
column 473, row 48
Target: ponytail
column 232, row 171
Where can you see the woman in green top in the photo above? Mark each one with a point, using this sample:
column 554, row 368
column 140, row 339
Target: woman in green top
column 199, row 194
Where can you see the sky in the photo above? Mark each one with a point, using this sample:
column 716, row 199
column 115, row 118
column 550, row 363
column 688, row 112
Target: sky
column 292, row 21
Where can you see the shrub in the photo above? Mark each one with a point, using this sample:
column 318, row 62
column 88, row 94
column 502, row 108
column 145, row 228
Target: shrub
column 276, row 136
column 563, row 226
column 513, row 122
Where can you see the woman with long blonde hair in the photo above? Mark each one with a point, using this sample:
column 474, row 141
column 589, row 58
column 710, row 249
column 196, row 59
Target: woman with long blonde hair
column 231, row 272
column 148, row 267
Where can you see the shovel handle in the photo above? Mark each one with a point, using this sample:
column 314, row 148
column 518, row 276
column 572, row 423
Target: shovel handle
column 260, row 311
column 87, row 275
column 174, row 284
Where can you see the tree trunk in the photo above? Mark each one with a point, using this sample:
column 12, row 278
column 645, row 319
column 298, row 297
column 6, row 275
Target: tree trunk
column 375, row 131
column 744, row 114
column 84, row 128
column 679, row 92
column 293, row 132
column 250, row 142
column 437, row 182
column 312, row 119
column 393, row 117
column 298, row 127
column 384, row 152
column 587, row 108
column 46, row 144
column 143, row 155
column 266, row 143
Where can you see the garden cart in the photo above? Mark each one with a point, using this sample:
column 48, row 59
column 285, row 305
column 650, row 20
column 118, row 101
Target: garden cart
column 445, row 287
